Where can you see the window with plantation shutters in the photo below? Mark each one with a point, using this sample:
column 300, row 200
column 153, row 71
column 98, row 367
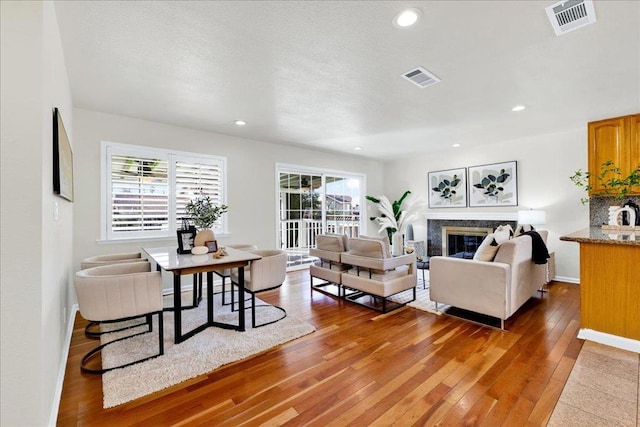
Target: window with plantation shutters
column 193, row 176
column 145, row 190
column 139, row 195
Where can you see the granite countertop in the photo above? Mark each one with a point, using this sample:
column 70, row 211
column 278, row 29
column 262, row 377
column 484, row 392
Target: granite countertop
column 598, row 235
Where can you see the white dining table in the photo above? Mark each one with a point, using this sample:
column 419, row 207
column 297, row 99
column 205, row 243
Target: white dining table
column 168, row 259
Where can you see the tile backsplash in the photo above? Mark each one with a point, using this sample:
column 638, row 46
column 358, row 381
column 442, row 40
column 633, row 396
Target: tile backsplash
column 599, row 208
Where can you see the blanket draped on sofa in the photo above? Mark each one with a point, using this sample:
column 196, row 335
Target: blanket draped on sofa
column 539, row 251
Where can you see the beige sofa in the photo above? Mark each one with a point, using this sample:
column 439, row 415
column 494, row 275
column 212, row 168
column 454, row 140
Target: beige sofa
column 497, row 288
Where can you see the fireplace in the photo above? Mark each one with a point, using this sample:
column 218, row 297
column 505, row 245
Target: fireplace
column 436, row 227
column 462, row 242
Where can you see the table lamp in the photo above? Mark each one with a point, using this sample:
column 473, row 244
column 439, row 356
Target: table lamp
column 532, row 217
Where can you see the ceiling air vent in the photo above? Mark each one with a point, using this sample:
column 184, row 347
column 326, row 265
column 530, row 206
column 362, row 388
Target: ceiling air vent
column 570, row 15
column 421, row 77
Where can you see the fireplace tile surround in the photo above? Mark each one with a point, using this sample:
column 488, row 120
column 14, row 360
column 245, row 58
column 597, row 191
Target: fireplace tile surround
column 434, row 229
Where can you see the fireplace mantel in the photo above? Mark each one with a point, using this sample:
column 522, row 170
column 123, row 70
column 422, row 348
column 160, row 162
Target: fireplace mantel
column 479, row 216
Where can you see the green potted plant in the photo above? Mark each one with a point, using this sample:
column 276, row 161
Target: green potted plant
column 394, row 218
column 204, row 213
column 611, row 178
column 615, row 187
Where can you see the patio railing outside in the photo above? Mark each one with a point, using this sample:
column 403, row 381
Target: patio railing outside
column 297, row 236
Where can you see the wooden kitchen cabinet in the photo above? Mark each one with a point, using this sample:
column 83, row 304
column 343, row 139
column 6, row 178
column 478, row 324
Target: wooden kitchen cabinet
column 616, row 139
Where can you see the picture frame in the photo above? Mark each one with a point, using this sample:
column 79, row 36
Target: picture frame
column 495, row 184
column 185, row 240
column 448, row 188
column 62, row 159
column 212, row 245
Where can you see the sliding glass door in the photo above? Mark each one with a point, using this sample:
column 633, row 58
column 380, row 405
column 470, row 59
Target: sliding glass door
column 313, row 202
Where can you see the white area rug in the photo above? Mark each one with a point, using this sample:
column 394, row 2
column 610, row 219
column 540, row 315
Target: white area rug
column 198, row 355
column 422, row 302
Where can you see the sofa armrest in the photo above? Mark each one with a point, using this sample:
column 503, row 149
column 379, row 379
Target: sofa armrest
column 382, row 264
column 478, row 286
column 325, row 255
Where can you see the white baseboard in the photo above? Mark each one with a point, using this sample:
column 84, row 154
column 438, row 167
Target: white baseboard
column 55, row 406
column 567, row 279
column 610, row 340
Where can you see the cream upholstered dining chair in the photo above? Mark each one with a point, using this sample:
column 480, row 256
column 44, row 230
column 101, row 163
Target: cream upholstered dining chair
column 116, row 293
column 92, row 330
column 262, row 275
column 226, row 273
column 102, row 260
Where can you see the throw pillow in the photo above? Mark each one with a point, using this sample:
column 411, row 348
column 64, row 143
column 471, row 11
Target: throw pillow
column 503, row 233
column 523, row 228
column 488, row 249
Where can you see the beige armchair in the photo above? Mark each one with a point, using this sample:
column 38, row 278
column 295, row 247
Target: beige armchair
column 116, row 293
column 377, row 274
column 495, row 288
column 262, row 275
column 329, row 268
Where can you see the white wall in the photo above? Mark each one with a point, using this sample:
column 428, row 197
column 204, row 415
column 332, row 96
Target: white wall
column 36, row 258
column 545, row 163
column 250, row 176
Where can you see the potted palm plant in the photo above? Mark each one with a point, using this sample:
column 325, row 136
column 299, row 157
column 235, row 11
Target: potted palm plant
column 204, row 213
column 394, row 217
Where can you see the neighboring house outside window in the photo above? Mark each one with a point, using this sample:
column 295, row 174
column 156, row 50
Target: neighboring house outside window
column 145, row 190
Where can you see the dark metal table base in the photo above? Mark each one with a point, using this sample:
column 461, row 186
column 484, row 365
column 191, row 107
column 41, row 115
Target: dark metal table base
column 177, row 304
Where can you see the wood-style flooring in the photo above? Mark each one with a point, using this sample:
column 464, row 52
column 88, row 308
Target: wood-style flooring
column 362, row 368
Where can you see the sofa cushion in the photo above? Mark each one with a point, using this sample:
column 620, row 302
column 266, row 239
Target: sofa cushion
column 379, row 275
column 523, row 228
column 487, row 249
column 503, row 233
column 371, row 247
column 332, row 242
column 331, row 265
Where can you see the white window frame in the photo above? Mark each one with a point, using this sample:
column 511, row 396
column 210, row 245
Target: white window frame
column 108, row 148
column 300, row 169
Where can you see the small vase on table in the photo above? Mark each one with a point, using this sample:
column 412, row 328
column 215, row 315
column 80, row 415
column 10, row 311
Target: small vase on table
column 204, row 235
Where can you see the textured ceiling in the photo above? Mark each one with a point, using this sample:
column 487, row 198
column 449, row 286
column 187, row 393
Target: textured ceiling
column 327, row 74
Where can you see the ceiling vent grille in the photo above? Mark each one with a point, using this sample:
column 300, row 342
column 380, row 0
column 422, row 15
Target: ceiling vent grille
column 570, row 15
column 421, row 77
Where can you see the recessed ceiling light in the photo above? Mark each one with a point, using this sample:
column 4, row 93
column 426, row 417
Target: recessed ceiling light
column 518, row 108
column 357, row 148
column 407, row 18
column 240, row 122
column 455, row 145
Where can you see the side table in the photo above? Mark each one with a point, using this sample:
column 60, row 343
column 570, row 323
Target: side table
column 551, row 267
column 423, row 265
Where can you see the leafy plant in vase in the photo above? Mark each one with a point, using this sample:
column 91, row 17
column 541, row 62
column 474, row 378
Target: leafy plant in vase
column 204, row 213
column 614, row 185
column 394, row 219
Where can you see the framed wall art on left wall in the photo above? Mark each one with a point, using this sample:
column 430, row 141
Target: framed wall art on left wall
column 62, row 159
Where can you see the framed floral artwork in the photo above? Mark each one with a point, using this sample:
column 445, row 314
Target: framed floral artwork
column 493, row 185
column 448, row 188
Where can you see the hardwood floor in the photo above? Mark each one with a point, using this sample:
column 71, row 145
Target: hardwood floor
column 361, row 368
